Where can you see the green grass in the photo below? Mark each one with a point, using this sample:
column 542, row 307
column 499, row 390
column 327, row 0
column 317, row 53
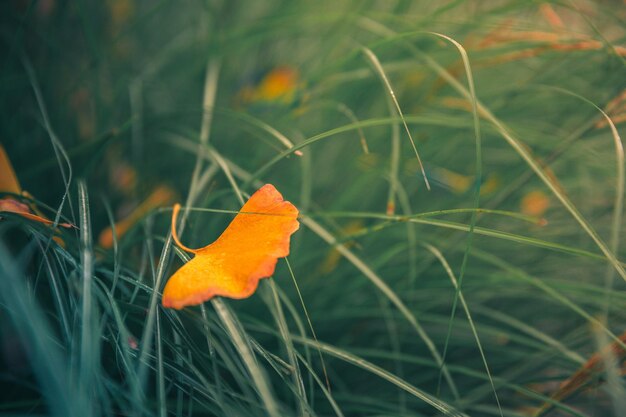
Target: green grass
column 405, row 293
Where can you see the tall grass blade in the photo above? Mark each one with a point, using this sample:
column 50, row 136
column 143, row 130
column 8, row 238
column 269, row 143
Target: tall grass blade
column 89, row 346
column 470, row 320
column 381, row 73
column 239, row 339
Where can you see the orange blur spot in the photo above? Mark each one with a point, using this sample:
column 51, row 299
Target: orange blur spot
column 160, row 197
column 278, row 85
column 535, row 203
column 334, row 256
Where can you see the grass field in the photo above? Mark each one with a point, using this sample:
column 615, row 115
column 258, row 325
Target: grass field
column 457, row 166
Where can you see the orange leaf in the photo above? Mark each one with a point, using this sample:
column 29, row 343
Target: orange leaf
column 161, row 196
column 584, row 374
column 246, row 252
column 8, row 179
column 11, row 205
column 10, row 184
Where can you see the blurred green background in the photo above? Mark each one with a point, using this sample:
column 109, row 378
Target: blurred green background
column 113, row 110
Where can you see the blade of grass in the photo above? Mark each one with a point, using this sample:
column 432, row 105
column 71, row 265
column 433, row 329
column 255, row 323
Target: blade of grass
column 279, row 317
column 253, row 121
column 149, row 326
column 411, row 235
column 618, row 205
column 424, row 218
column 239, row 340
column 446, row 267
column 302, row 332
column 308, row 319
column 350, row 115
column 160, row 378
column 116, row 253
column 59, row 296
column 604, row 359
column 394, row 162
column 320, row 384
column 381, row 73
column 63, row 160
column 210, row 92
column 89, row 346
column 123, row 346
column 212, row 355
column 476, row 202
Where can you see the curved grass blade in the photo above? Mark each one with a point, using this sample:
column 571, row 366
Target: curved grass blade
column 281, row 322
column 470, row 320
column 239, row 339
column 308, row 319
column 381, row 73
column 618, row 205
column 439, row 405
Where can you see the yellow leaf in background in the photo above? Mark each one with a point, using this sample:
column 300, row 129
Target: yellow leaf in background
column 8, row 179
column 367, row 161
column 535, row 203
column 81, row 103
column 246, row 252
column 490, row 185
column 160, row 197
column 587, row 373
column 123, row 177
column 10, row 184
column 11, row 205
column 551, row 16
column 334, row 256
column 456, row 182
column 120, row 11
column 278, row 85
column 460, row 184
